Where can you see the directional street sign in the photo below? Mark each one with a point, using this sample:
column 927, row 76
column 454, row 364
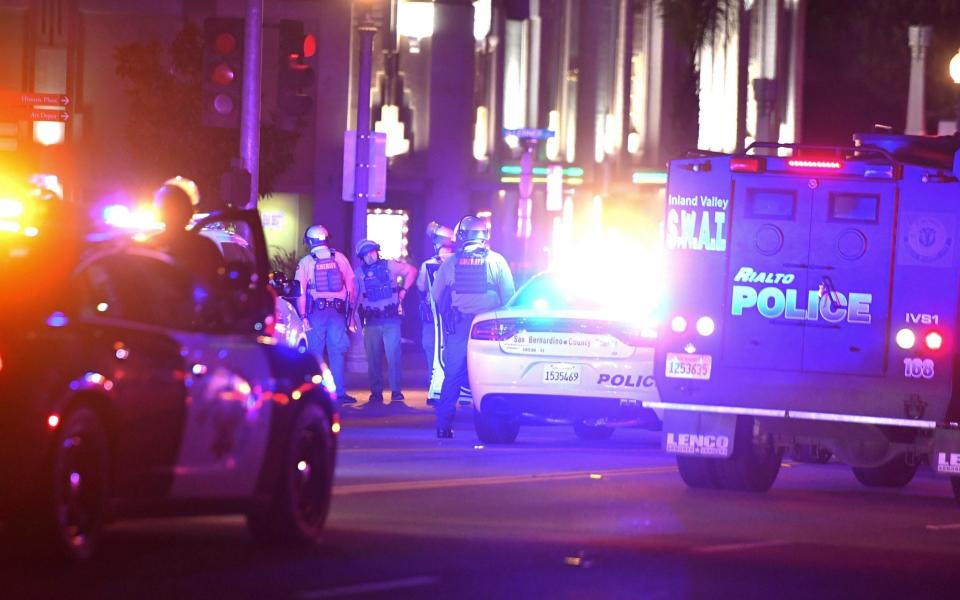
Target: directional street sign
column 39, row 114
column 34, row 106
column 529, row 133
column 33, row 99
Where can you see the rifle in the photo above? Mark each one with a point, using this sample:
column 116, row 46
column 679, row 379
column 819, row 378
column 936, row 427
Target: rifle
column 448, row 314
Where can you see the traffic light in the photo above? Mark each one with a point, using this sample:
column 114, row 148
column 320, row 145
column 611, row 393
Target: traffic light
column 296, row 78
column 222, row 71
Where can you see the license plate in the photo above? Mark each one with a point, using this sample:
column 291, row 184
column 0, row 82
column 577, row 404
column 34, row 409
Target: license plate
column 688, row 366
column 561, row 373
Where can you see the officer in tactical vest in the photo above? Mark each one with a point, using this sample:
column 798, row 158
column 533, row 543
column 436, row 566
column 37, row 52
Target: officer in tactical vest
column 381, row 287
column 442, row 239
column 475, row 280
column 328, row 284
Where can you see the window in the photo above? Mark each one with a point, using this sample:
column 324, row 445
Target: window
column 859, row 208
column 138, row 288
column 771, row 204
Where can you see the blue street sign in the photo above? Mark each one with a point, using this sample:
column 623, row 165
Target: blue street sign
column 529, row 133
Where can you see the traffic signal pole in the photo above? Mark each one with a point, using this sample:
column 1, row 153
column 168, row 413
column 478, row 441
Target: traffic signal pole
column 250, row 113
column 367, row 29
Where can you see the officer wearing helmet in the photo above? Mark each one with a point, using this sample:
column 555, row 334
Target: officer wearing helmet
column 442, row 239
column 475, row 280
column 381, row 287
column 327, row 282
column 176, row 201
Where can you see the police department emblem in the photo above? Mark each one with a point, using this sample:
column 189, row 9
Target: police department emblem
column 927, row 239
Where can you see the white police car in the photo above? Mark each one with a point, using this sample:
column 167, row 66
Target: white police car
column 129, row 389
column 558, row 353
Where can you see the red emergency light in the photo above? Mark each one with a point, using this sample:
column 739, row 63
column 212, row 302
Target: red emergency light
column 746, row 164
column 822, row 165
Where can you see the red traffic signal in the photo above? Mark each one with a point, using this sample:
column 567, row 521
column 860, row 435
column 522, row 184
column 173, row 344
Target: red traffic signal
column 222, row 72
column 295, row 75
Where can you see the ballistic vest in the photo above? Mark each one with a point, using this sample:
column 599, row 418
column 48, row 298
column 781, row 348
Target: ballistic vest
column 377, row 284
column 327, row 277
column 470, row 272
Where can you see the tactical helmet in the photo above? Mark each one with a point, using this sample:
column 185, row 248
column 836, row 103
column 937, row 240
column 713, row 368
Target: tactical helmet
column 365, row 247
column 316, row 235
column 471, row 228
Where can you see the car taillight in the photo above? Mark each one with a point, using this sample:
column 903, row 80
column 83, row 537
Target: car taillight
column 494, row 330
column 706, row 326
column 746, row 164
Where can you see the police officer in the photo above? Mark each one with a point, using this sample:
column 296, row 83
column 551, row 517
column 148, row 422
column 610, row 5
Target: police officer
column 176, row 202
column 328, row 286
column 442, row 239
column 475, row 280
column 379, row 296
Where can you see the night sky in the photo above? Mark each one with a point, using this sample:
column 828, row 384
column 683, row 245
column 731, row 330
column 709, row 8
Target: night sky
column 857, row 65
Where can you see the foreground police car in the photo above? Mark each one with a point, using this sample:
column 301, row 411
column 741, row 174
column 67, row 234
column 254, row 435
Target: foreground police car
column 288, row 326
column 813, row 296
column 129, row 389
column 556, row 354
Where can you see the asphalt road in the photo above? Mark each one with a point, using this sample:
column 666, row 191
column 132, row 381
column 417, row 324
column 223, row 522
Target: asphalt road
column 548, row 517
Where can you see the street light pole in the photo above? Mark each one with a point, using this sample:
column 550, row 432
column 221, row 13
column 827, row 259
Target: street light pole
column 361, row 181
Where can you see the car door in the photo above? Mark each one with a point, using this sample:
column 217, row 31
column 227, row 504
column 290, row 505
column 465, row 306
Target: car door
column 130, row 302
column 228, row 408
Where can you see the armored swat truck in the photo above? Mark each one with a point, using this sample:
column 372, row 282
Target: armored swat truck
column 812, row 301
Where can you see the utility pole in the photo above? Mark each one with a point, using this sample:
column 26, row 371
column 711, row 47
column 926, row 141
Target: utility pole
column 366, row 29
column 250, row 112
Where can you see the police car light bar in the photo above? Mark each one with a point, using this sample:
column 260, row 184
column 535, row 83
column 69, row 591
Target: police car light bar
column 831, row 165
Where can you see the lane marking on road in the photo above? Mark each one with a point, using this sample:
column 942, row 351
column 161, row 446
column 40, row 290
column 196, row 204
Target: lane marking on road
column 366, row 588
column 943, row 527
column 430, row 484
column 716, row 548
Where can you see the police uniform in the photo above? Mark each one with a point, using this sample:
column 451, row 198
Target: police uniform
column 378, row 306
column 326, row 276
column 474, row 281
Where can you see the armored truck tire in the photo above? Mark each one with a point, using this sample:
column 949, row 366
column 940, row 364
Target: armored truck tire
column 588, row 432
column 754, row 464
column 895, row 473
column 698, row 472
column 495, row 429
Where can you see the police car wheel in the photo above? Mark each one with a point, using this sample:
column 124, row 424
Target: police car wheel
column 592, row 432
column 493, row 429
column 895, row 473
column 753, row 466
column 299, row 508
column 698, row 472
column 68, row 519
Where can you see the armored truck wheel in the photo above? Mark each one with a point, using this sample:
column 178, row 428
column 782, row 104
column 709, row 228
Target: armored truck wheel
column 895, row 473
column 592, row 432
column 493, row 429
column 698, row 472
column 754, row 464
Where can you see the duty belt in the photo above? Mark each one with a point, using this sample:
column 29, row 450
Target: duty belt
column 386, row 312
column 323, row 303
